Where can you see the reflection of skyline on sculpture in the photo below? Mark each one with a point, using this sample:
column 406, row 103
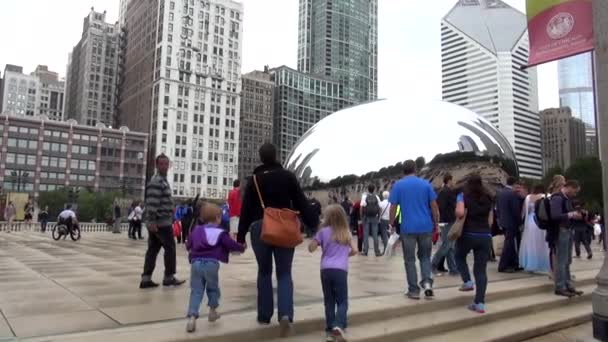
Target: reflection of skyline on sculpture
column 370, row 141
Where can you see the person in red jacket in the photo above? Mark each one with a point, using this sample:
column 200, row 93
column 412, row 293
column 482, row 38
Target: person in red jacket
column 234, row 205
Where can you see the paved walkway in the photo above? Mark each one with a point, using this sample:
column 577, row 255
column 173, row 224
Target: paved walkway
column 50, row 287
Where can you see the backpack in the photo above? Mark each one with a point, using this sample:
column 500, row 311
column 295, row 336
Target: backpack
column 372, row 207
column 542, row 210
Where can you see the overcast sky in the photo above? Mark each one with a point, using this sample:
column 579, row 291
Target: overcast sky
column 45, row 31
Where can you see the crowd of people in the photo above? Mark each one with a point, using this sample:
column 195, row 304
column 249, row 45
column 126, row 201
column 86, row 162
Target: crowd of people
column 464, row 220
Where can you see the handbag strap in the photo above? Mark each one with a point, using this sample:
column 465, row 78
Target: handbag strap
column 257, row 188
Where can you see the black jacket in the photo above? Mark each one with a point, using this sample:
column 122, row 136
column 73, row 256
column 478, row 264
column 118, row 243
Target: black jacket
column 280, row 189
column 446, row 200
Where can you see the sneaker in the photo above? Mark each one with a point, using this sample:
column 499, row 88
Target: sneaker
column 191, row 325
column 213, row 315
column 589, row 257
column 466, row 287
column 564, row 293
column 575, row 292
column 338, row 334
column 429, row 294
column 147, row 284
column 285, row 326
column 413, row 295
column 173, row 282
column 477, row 307
column 329, row 337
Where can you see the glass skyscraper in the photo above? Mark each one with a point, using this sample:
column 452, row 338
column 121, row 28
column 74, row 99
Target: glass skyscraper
column 339, row 39
column 576, row 87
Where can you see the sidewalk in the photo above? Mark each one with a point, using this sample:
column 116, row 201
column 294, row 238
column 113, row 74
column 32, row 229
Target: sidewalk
column 52, row 287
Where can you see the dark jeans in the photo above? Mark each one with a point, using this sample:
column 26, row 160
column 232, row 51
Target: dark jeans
column 445, row 251
column 370, row 225
column 480, row 245
column 162, row 238
column 131, row 231
column 283, row 259
column 43, row 225
column 335, row 297
column 510, row 256
column 137, row 229
column 582, row 235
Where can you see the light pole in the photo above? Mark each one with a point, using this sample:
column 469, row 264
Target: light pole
column 600, row 28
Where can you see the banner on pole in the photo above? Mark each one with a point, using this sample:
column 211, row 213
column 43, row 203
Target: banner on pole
column 559, row 28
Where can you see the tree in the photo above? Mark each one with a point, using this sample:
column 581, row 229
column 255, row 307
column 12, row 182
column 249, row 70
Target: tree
column 90, row 205
column 588, row 172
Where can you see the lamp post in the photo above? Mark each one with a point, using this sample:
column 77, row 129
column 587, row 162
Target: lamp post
column 600, row 19
column 19, row 177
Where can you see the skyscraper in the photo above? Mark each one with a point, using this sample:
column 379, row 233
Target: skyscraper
column 40, row 93
column 575, row 79
column 182, row 84
column 339, row 39
column 563, row 137
column 484, row 49
column 257, row 106
column 91, row 75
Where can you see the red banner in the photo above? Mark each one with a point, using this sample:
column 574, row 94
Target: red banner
column 559, row 28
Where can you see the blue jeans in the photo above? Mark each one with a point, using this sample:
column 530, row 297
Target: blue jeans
column 283, row 258
column 204, row 277
column 480, row 245
column 335, row 296
column 446, row 250
column 383, row 227
column 564, row 259
column 425, row 247
column 370, row 224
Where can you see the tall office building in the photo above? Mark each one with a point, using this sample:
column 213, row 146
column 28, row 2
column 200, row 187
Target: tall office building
column 91, row 75
column 563, row 137
column 257, row 106
column 40, row 93
column 575, row 79
column 182, row 84
column 484, row 46
column 339, row 39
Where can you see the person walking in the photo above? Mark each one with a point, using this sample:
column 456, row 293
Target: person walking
column 385, row 215
column 474, row 205
column 209, row 245
column 509, row 208
column 555, row 187
column 562, row 213
column 43, row 218
column 446, row 200
column 9, row 215
column 130, row 220
column 117, row 218
column 420, row 217
column 279, row 188
column 534, row 252
column 370, row 213
column 137, row 218
column 159, row 219
column 337, row 245
column 355, row 223
column 234, row 205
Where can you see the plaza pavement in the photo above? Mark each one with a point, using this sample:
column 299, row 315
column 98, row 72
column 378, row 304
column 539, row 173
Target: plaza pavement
column 53, row 287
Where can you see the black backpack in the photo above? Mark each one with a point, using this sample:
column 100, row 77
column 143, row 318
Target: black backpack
column 372, row 207
column 542, row 210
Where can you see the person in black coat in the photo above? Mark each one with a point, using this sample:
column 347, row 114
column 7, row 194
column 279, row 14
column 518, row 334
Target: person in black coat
column 508, row 208
column 279, row 188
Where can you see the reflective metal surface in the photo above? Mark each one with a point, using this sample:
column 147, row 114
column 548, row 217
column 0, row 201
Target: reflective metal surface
column 368, row 144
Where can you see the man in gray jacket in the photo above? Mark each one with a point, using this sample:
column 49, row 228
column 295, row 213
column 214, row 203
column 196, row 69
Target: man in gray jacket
column 159, row 219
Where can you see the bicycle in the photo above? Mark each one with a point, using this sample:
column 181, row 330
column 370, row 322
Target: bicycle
column 61, row 230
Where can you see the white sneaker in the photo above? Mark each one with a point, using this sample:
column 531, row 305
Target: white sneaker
column 338, row 334
column 191, row 326
column 285, row 327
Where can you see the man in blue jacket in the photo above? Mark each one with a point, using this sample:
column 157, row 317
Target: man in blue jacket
column 508, row 206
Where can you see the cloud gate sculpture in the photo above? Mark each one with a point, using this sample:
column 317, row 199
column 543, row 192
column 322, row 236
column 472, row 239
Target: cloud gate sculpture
column 368, row 143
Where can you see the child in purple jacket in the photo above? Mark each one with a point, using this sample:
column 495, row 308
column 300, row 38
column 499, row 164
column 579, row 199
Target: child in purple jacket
column 208, row 245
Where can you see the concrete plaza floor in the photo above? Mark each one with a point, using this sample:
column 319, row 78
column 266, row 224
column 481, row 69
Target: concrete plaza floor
column 51, row 287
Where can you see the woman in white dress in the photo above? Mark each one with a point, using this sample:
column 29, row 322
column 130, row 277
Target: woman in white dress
column 534, row 251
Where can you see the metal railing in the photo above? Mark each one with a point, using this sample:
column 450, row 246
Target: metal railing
column 85, row 227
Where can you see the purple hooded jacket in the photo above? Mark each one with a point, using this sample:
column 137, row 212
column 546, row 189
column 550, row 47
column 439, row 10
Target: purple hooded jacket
column 210, row 241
